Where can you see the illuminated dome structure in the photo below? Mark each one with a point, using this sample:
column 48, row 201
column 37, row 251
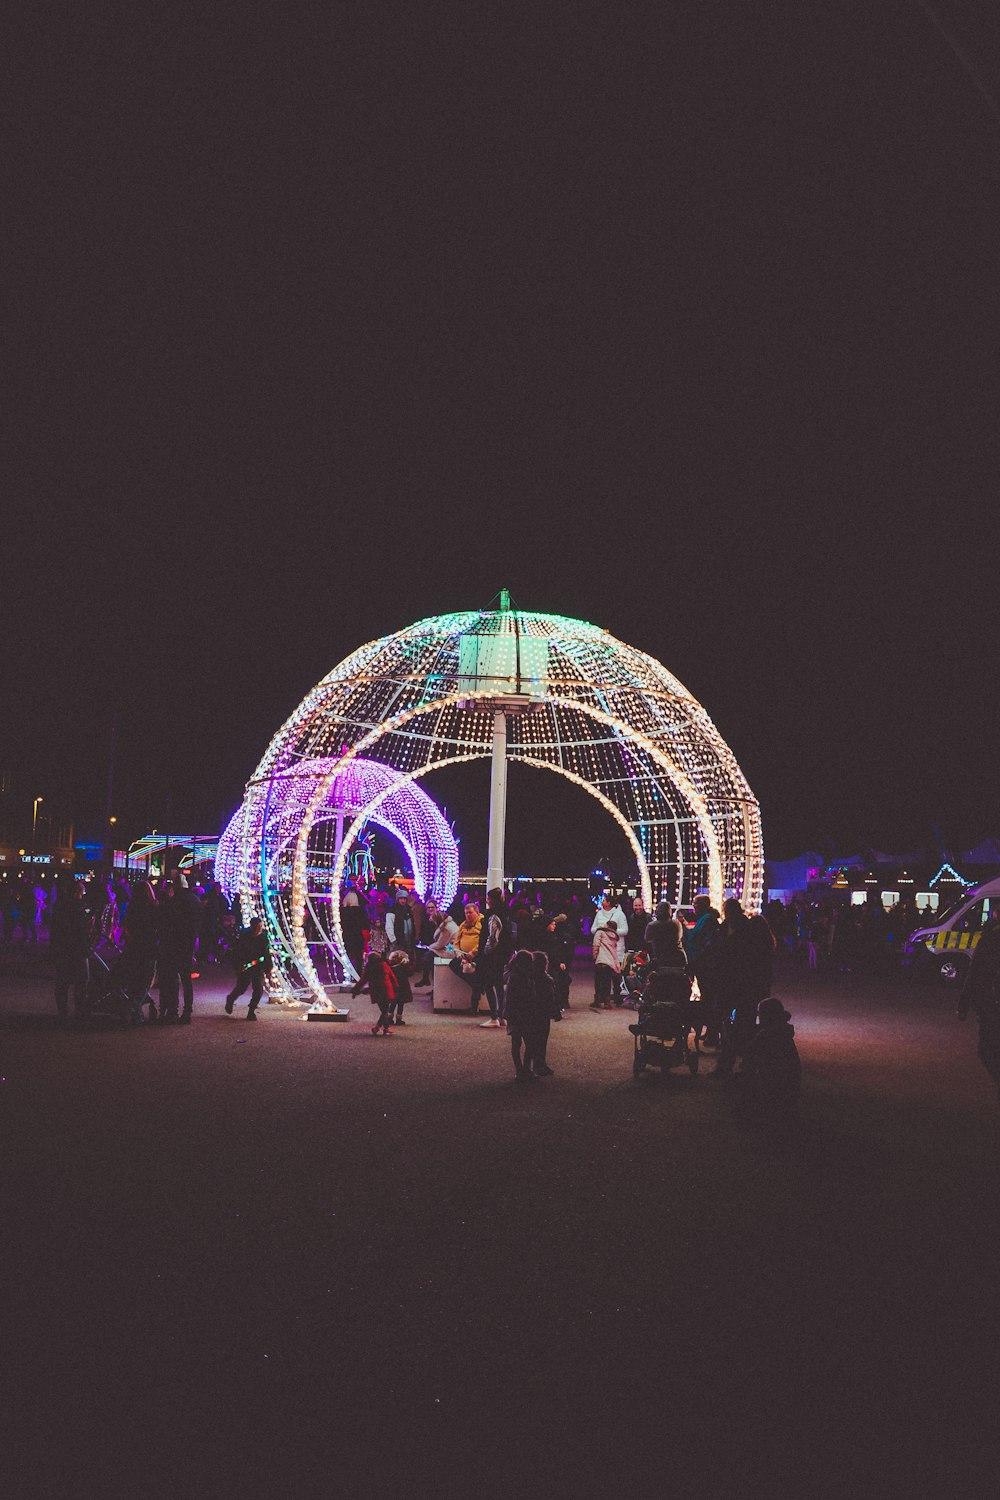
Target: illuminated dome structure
column 547, row 691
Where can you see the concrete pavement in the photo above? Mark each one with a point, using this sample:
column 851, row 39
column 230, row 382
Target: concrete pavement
column 244, row 1259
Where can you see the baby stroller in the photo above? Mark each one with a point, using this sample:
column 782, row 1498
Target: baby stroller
column 661, row 1032
column 116, row 996
column 107, row 1003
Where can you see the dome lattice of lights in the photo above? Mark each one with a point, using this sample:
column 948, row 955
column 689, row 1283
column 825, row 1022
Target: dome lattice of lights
column 589, row 707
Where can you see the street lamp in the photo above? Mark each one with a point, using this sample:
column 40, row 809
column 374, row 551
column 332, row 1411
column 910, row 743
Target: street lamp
column 34, row 825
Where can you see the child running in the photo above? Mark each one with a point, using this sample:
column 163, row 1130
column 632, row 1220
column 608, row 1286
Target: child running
column 380, row 982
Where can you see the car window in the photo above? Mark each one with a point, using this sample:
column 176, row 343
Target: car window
column 972, row 919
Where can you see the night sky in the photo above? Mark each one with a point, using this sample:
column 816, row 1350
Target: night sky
column 678, row 318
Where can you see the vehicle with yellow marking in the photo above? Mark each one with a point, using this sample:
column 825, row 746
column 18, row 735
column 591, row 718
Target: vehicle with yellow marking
column 952, row 940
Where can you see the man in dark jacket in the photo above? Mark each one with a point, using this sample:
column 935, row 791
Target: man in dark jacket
column 663, row 939
column 639, row 919
column 176, row 933
column 982, row 994
column 252, row 955
column 70, row 948
column 496, row 943
column 698, row 941
column 746, row 960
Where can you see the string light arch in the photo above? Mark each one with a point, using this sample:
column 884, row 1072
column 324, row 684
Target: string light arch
column 580, row 703
column 361, row 792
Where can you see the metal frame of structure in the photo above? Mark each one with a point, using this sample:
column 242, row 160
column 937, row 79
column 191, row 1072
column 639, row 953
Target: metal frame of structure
column 576, row 701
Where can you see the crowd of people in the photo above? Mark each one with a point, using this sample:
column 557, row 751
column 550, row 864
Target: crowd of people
column 516, row 956
column 711, row 969
column 715, row 971
column 126, row 932
column 866, row 938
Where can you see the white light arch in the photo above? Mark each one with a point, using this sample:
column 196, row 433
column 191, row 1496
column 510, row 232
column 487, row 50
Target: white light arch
column 452, row 760
column 602, row 713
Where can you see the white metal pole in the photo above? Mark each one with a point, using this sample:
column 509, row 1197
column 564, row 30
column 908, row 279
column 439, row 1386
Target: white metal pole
column 498, row 801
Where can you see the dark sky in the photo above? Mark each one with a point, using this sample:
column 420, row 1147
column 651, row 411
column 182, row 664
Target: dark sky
column 680, row 318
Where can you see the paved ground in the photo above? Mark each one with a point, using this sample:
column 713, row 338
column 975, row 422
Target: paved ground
column 292, row 1258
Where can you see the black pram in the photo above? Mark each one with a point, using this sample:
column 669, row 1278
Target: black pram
column 661, row 1032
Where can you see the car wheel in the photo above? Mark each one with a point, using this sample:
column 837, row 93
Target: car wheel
column 953, row 969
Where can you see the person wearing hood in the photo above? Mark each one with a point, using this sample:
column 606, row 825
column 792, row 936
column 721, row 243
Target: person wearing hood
column 607, row 966
column 664, row 939
column 557, row 945
column 609, row 912
column 771, row 1076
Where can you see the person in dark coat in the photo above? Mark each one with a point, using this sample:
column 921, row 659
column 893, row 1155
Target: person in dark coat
column 495, row 945
column 746, row 959
column 354, row 924
column 698, row 941
column 771, row 1076
column 981, row 993
column 547, row 1010
column 379, row 980
column 663, row 939
column 139, row 953
column 214, row 911
column 177, row 930
column 431, row 918
column 523, row 1011
column 252, row 956
column 69, row 938
column 557, row 945
column 639, row 919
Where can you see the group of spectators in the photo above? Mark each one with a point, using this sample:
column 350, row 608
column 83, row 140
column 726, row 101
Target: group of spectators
column 729, row 956
column 525, row 989
column 129, row 932
column 24, row 906
column 515, row 956
column 866, row 938
column 518, row 959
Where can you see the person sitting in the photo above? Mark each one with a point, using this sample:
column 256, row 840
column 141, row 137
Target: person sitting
column 465, row 946
column 441, row 944
column 771, row 1075
column 635, row 973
